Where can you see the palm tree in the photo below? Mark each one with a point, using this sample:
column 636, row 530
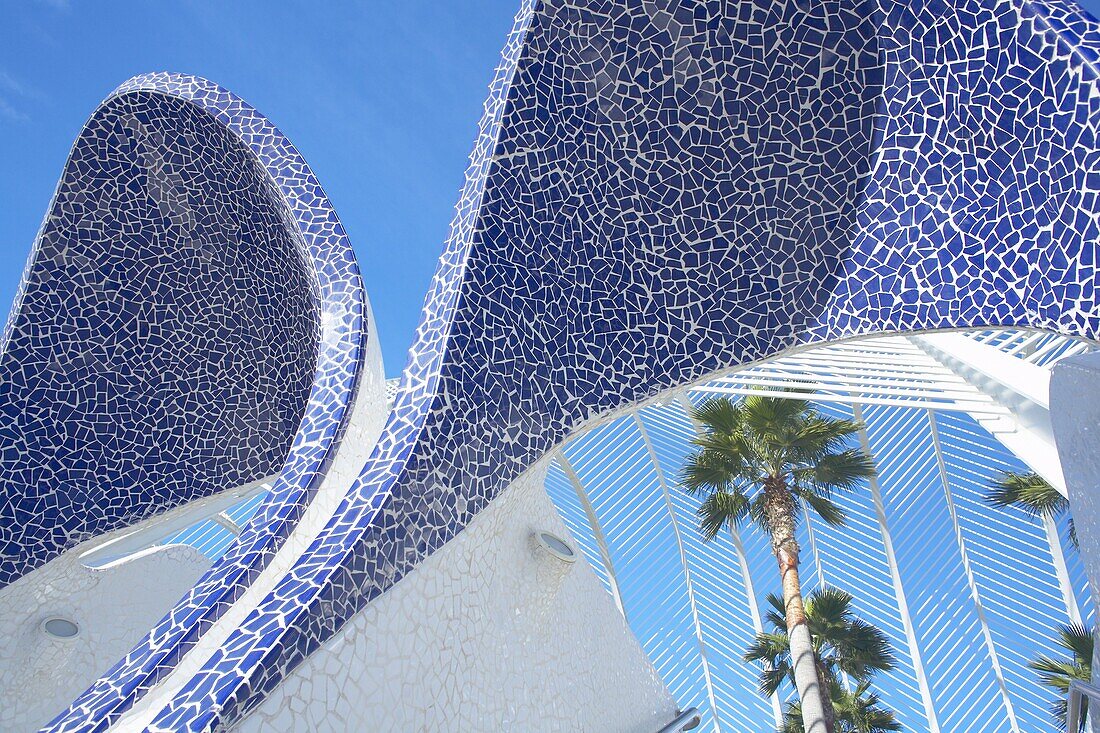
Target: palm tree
column 1078, row 641
column 842, row 642
column 857, row 711
column 1032, row 493
column 756, row 459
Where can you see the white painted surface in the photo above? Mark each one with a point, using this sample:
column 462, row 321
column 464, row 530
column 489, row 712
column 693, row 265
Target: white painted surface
column 487, row 634
column 1022, row 388
column 114, row 608
column 1075, row 414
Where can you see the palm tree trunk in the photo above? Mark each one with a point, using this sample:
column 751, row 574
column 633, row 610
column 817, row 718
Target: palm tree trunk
column 826, row 695
column 780, row 510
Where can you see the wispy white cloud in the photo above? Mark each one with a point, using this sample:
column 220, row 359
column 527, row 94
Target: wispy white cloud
column 8, row 84
column 12, row 93
column 8, row 112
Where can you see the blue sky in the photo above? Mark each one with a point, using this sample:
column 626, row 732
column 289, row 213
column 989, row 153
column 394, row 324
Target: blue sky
column 382, row 99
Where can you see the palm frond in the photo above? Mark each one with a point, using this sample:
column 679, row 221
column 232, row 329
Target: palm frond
column 792, row 719
column 1076, row 639
column 777, row 614
column 858, row 711
column 829, row 511
column 719, row 415
column 766, row 415
column 766, row 438
column 856, row 647
column 818, row 436
column 861, row 649
column 771, row 678
column 707, row 471
column 721, row 509
column 829, row 605
column 842, row 471
column 841, row 640
column 1027, row 491
column 768, row 647
column 1058, row 675
column 773, row 652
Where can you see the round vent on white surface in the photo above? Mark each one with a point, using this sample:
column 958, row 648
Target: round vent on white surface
column 556, row 546
column 58, row 627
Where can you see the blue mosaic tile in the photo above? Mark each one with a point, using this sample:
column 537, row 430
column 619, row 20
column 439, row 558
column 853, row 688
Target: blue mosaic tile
column 662, row 190
column 161, row 348
column 338, row 312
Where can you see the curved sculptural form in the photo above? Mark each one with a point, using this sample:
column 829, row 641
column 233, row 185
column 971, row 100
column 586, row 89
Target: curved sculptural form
column 163, row 343
column 215, row 256
column 660, row 192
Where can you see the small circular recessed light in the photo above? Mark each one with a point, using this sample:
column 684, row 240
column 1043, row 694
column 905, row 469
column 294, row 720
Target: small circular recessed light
column 57, row 627
column 556, row 546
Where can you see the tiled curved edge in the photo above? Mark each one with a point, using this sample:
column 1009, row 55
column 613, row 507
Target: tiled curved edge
column 164, row 338
column 584, row 275
column 348, row 371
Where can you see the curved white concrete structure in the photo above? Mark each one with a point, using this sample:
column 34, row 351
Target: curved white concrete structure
column 113, row 607
column 485, row 635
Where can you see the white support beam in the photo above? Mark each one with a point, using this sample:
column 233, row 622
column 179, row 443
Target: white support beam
column 1018, row 386
column 743, row 563
column 901, row 363
column 1023, row 390
column 707, row 678
column 971, row 581
column 225, row 521
column 926, row 388
column 899, row 589
column 596, row 527
column 1058, row 557
column 976, row 407
column 754, row 608
column 1011, row 376
column 819, row 565
column 813, row 542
